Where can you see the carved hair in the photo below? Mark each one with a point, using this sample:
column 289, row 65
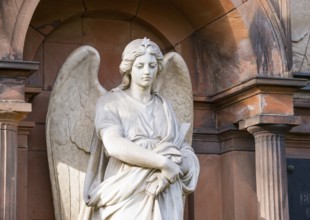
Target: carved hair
column 133, row 50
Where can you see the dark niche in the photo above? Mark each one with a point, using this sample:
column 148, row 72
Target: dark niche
column 299, row 188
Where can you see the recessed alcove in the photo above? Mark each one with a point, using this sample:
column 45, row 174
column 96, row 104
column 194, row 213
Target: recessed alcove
column 215, row 39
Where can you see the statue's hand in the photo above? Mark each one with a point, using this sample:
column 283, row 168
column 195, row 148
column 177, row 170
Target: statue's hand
column 156, row 184
column 170, row 151
column 171, row 171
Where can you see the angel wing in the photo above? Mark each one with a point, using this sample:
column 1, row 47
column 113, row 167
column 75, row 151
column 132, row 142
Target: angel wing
column 175, row 86
column 69, row 128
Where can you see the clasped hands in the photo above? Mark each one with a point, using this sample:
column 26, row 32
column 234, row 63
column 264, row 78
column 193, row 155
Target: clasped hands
column 174, row 166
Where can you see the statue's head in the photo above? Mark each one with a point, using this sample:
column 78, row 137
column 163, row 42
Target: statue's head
column 133, row 50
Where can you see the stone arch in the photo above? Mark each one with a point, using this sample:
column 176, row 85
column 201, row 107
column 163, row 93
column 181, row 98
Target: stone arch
column 187, row 20
column 233, row 40
column 15, row 19
column 181, row 27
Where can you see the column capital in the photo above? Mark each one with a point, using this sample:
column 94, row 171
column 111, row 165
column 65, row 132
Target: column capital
column 270, row 121
column 279, row 129
column 12, row 79
column 13, row 112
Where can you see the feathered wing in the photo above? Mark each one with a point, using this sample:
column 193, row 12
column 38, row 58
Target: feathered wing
column 174, row 84
column 70, row 127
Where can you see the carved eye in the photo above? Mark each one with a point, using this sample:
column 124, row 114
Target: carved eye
column 153, row 65
column 139, row 65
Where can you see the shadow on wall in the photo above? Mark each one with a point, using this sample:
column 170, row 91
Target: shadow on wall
column 268, row 45
column 225, row 50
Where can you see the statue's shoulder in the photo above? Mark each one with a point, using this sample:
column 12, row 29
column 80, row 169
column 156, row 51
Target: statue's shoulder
column 110, row 99
column 162, row 100
column 159, row 97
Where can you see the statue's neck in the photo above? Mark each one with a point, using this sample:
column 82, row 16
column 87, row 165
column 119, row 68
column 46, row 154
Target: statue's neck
column 141, row 94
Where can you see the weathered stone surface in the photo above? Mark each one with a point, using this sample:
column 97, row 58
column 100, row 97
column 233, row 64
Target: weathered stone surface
column 300, row 16
column 225, row 52
column 197, row 14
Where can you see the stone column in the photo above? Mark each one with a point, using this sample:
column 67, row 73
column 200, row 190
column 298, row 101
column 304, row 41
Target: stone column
column 8, row 163
column 271, row 175
column 13, row 109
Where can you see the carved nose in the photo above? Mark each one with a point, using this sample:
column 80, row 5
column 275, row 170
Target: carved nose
column 147, row 70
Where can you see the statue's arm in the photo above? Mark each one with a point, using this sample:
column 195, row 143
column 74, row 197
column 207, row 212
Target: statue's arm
column 190, row 165
column 128, row 152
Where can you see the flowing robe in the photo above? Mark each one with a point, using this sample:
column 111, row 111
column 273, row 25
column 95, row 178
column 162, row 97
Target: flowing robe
column 116, row 190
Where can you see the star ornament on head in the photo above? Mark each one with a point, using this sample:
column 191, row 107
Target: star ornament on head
column 145, row 42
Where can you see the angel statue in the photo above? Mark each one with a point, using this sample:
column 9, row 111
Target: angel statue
column 123, row 154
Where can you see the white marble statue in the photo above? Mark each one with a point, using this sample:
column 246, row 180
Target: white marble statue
column 141, row 165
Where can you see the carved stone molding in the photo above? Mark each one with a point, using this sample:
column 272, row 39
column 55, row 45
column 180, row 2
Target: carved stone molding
column 255, row 97
column 271, row 177
column 13, row 109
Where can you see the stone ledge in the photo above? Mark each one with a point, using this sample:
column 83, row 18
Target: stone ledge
column 7, row 107
column 259, row 81
column 17, row 68
column 220, row 142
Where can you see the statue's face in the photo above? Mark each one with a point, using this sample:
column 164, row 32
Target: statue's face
column 144, row 70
